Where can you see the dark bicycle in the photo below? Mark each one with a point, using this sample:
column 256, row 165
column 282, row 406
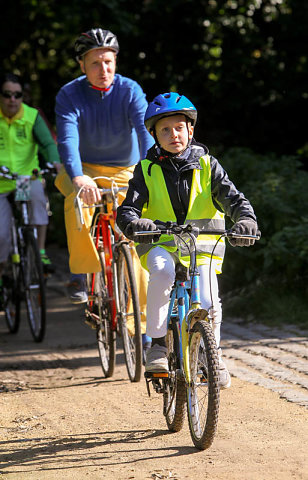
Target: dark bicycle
column 23, row 277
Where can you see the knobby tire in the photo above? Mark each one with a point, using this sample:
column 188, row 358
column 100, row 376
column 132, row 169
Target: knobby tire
column 203, row 392
column 129, row 313
column 174, row 388
column 34, row 285
column 106, row 337
column 11, row 296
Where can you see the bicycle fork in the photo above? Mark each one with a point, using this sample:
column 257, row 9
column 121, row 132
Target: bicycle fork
column 190, row 316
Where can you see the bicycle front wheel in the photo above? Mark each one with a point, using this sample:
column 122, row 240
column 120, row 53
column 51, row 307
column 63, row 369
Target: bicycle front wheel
column 34, row 288
column 129, row 313
column 102, row 312
column 203, row 391
column 175, row 388
column 11, row 296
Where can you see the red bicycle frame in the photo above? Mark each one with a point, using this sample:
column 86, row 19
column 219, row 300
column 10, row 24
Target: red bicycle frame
column 103, row 232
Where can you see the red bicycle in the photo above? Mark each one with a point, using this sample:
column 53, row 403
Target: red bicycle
column 113, row 303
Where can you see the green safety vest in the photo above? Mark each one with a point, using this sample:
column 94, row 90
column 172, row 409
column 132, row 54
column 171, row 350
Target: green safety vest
column 201, row 213
column 18, row 148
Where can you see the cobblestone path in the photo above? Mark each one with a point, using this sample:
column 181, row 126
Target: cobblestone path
column 274, row 358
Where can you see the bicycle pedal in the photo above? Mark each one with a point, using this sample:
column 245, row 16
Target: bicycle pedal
column 91, row 323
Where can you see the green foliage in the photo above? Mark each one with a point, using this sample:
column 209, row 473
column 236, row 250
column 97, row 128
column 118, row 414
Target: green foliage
column 56, row 228
column 270, row 302
column 243, row 63
column 277, row 189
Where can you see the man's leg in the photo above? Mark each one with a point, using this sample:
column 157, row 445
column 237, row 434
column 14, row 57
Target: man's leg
column 39, row 218
column 83, row 257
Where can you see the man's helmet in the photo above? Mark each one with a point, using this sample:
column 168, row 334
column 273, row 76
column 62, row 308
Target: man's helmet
column 167, row 104
column 95, row 38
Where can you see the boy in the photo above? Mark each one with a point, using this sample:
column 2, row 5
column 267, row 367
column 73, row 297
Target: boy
column 179, row 181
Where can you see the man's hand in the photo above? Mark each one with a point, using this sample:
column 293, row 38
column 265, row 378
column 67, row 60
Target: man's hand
column 90, row 193
column 141, row 225
column 245, row 226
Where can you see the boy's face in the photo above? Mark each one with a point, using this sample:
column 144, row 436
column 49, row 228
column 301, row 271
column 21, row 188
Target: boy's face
column 173, row 133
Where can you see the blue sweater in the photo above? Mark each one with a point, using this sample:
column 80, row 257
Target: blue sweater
column 103, row 129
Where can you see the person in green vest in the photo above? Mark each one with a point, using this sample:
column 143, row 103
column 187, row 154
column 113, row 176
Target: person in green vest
column 22, row 132
column 180, row 181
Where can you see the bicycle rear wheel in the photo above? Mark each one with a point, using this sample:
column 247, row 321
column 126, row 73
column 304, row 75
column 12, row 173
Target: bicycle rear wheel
column 129, row 313
column 34, row 288
column 174, row 386
column 100, row 309
column 203, row 392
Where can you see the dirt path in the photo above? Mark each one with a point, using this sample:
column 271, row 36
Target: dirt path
column 60, row 419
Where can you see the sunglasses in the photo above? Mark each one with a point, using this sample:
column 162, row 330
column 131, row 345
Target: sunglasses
column 10, row 95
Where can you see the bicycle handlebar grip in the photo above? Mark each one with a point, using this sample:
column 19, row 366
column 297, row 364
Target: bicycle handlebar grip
column 79, row 214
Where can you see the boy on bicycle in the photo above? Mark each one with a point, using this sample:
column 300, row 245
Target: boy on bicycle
column 180, row 181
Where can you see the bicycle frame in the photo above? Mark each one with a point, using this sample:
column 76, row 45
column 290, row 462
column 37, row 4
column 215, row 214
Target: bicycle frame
column 112, row 292
column 189, row 311
column 103, row 230
column 103, row 224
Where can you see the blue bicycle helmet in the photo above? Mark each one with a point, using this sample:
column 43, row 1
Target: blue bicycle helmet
column 167, row 104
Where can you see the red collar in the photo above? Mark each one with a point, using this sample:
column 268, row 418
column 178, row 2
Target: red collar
column 101, row 89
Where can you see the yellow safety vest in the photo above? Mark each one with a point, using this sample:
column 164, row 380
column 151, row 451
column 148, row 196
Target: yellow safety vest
column 18, row 148
column 201, row 213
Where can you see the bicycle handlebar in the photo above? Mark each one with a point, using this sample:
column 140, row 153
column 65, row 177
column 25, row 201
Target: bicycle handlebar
column 113, row 191
column 6, row 173
column 173, row 229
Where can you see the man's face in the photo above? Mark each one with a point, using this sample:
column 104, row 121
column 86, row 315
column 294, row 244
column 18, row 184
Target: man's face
column 8, row 102
column 173, row 133
column 99, row 66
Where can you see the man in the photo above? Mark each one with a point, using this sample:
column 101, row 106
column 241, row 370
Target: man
column 100, row 132
column 22, row 132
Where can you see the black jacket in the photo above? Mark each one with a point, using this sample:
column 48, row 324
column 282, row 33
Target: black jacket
column 178, row 177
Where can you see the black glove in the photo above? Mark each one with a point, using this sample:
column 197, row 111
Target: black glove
column 246, row 227
column 141, row 225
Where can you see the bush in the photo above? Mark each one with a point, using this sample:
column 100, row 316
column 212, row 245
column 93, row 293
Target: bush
column 277, row 189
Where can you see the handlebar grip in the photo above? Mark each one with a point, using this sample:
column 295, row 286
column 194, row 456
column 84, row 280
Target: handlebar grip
column 79, row 214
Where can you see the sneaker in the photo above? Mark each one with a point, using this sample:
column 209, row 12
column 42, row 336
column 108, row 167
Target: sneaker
column 156, row 359
column 47, row 265
column 224, row 375
column 77, row 292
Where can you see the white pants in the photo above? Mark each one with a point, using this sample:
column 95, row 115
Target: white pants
column 37, row 213
column 161, row 265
